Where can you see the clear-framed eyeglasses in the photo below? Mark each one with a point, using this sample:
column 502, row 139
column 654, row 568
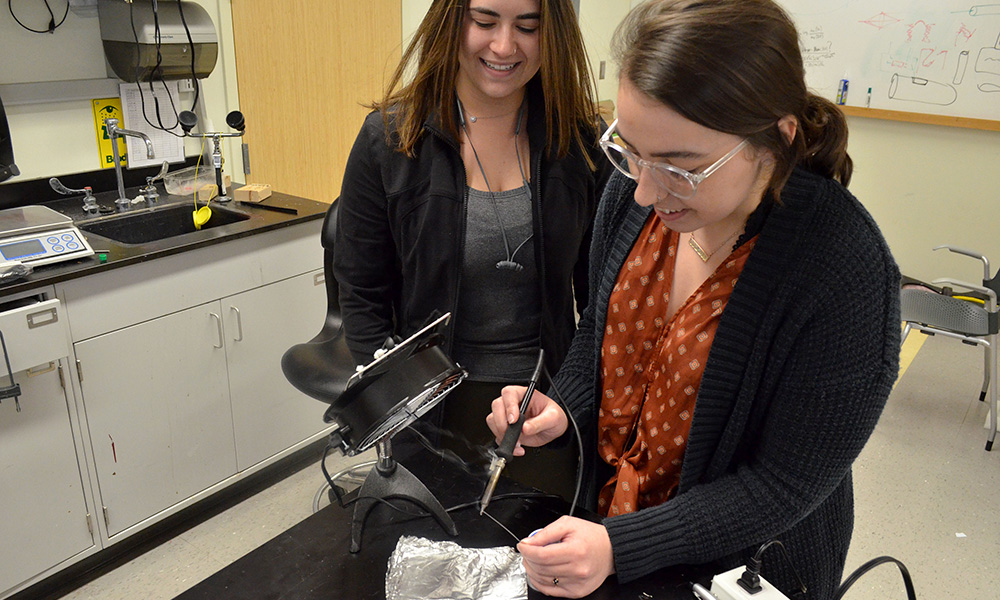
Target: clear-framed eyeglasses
column 673, row 180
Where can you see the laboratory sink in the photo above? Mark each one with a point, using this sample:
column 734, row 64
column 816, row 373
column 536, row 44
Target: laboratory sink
column 158, row 224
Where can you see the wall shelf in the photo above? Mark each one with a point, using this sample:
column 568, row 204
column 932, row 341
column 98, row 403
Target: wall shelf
column 15, row 94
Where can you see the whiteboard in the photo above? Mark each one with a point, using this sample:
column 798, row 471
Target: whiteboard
column 923, row 56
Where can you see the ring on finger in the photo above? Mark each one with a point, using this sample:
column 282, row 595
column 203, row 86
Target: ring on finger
column 555, row 581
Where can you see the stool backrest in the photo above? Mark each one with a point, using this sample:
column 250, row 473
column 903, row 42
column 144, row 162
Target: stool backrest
column 327, row 237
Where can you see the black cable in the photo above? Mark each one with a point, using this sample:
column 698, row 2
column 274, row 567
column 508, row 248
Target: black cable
column 444, row 453
column 142, row 98
column 157, row 72
column 911, row 594
column 579, row 441
column 326, row 474
column 52, row 18
column 750, row 579
column 464, row 505
column 194, row 77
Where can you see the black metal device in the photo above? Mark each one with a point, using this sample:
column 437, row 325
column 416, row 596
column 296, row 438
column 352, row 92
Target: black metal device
column 381, row 399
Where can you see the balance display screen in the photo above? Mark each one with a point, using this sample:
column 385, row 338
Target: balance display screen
column 22, row 249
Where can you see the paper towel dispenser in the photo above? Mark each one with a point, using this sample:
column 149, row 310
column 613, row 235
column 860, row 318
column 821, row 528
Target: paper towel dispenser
column 123, row 23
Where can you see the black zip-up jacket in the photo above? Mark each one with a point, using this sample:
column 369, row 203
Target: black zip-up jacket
column 400, row 239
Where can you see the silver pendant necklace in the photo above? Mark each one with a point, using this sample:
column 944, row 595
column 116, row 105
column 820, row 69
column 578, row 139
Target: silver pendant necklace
column 509, row 264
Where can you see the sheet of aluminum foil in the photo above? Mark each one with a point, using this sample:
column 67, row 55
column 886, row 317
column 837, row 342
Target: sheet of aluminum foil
column 421, row 569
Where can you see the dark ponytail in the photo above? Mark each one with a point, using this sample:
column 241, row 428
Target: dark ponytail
column 824, row 139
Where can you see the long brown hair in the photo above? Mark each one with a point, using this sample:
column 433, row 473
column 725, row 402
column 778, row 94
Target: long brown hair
column 566, row 78
column 734, row 66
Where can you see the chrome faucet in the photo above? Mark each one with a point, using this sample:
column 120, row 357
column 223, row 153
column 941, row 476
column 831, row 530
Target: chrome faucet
column 114, row 132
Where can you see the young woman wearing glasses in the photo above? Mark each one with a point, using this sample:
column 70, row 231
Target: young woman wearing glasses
column 743, row 329
column 471, row 189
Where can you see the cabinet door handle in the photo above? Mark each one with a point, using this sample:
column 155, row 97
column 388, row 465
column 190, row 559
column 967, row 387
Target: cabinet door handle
column 218, row 323
column 319, row 279
column 34, row 371
column 239, row 324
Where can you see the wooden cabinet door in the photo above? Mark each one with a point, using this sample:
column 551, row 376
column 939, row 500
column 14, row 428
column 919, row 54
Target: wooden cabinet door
column 305, row 69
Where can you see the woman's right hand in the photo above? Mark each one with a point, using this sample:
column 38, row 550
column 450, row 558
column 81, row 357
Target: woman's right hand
column 544, row 420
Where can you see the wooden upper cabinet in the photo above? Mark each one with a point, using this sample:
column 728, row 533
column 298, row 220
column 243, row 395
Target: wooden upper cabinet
column 305, row 69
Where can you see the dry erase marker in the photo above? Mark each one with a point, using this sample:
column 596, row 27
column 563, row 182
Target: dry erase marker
column 868, row 103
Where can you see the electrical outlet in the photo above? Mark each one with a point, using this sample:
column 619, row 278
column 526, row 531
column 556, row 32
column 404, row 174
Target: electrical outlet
column 725, row 587
column 185, row 85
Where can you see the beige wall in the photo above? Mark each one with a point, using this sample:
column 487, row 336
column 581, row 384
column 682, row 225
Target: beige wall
column 55, row 138
column 928, row 185
column 598, row 19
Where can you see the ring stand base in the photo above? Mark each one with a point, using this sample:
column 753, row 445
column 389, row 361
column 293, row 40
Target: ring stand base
column 390, row 479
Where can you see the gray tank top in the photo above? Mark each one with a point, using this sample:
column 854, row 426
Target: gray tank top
column 497, row 321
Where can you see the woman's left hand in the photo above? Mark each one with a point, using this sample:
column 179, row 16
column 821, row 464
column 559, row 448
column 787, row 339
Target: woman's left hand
column 568, row 559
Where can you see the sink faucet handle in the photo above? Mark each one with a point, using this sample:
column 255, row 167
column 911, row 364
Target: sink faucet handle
column 58, row 186
column 89, row 202
column 159, row 176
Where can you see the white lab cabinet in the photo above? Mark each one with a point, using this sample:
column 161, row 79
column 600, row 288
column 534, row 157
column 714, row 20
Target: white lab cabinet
column 46, row 521
column 179, row 369
column 157, row 402
column 269, row 415
column 202, row 397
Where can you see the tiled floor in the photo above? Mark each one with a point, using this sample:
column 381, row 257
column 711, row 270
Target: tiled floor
column 926, row 494
column 174, row 566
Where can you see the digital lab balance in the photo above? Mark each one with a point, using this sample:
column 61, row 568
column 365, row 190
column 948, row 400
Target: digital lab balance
column 37, row 235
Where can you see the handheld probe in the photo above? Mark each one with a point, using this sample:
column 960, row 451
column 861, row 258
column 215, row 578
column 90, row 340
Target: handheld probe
column 505, row 451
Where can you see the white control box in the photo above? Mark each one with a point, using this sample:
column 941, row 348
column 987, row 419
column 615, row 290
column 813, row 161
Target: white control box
column 725, row 587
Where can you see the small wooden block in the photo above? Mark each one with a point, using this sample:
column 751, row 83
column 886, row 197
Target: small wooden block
column 253, row 192
column 207, row 192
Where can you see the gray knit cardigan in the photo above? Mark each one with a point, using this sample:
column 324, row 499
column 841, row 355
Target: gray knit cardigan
column 804, row 358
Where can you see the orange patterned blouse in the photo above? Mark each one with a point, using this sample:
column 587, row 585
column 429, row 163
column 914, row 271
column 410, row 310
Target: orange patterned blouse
column 651, row 369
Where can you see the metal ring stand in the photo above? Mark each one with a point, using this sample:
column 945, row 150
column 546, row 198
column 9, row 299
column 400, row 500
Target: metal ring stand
column 387, row 480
